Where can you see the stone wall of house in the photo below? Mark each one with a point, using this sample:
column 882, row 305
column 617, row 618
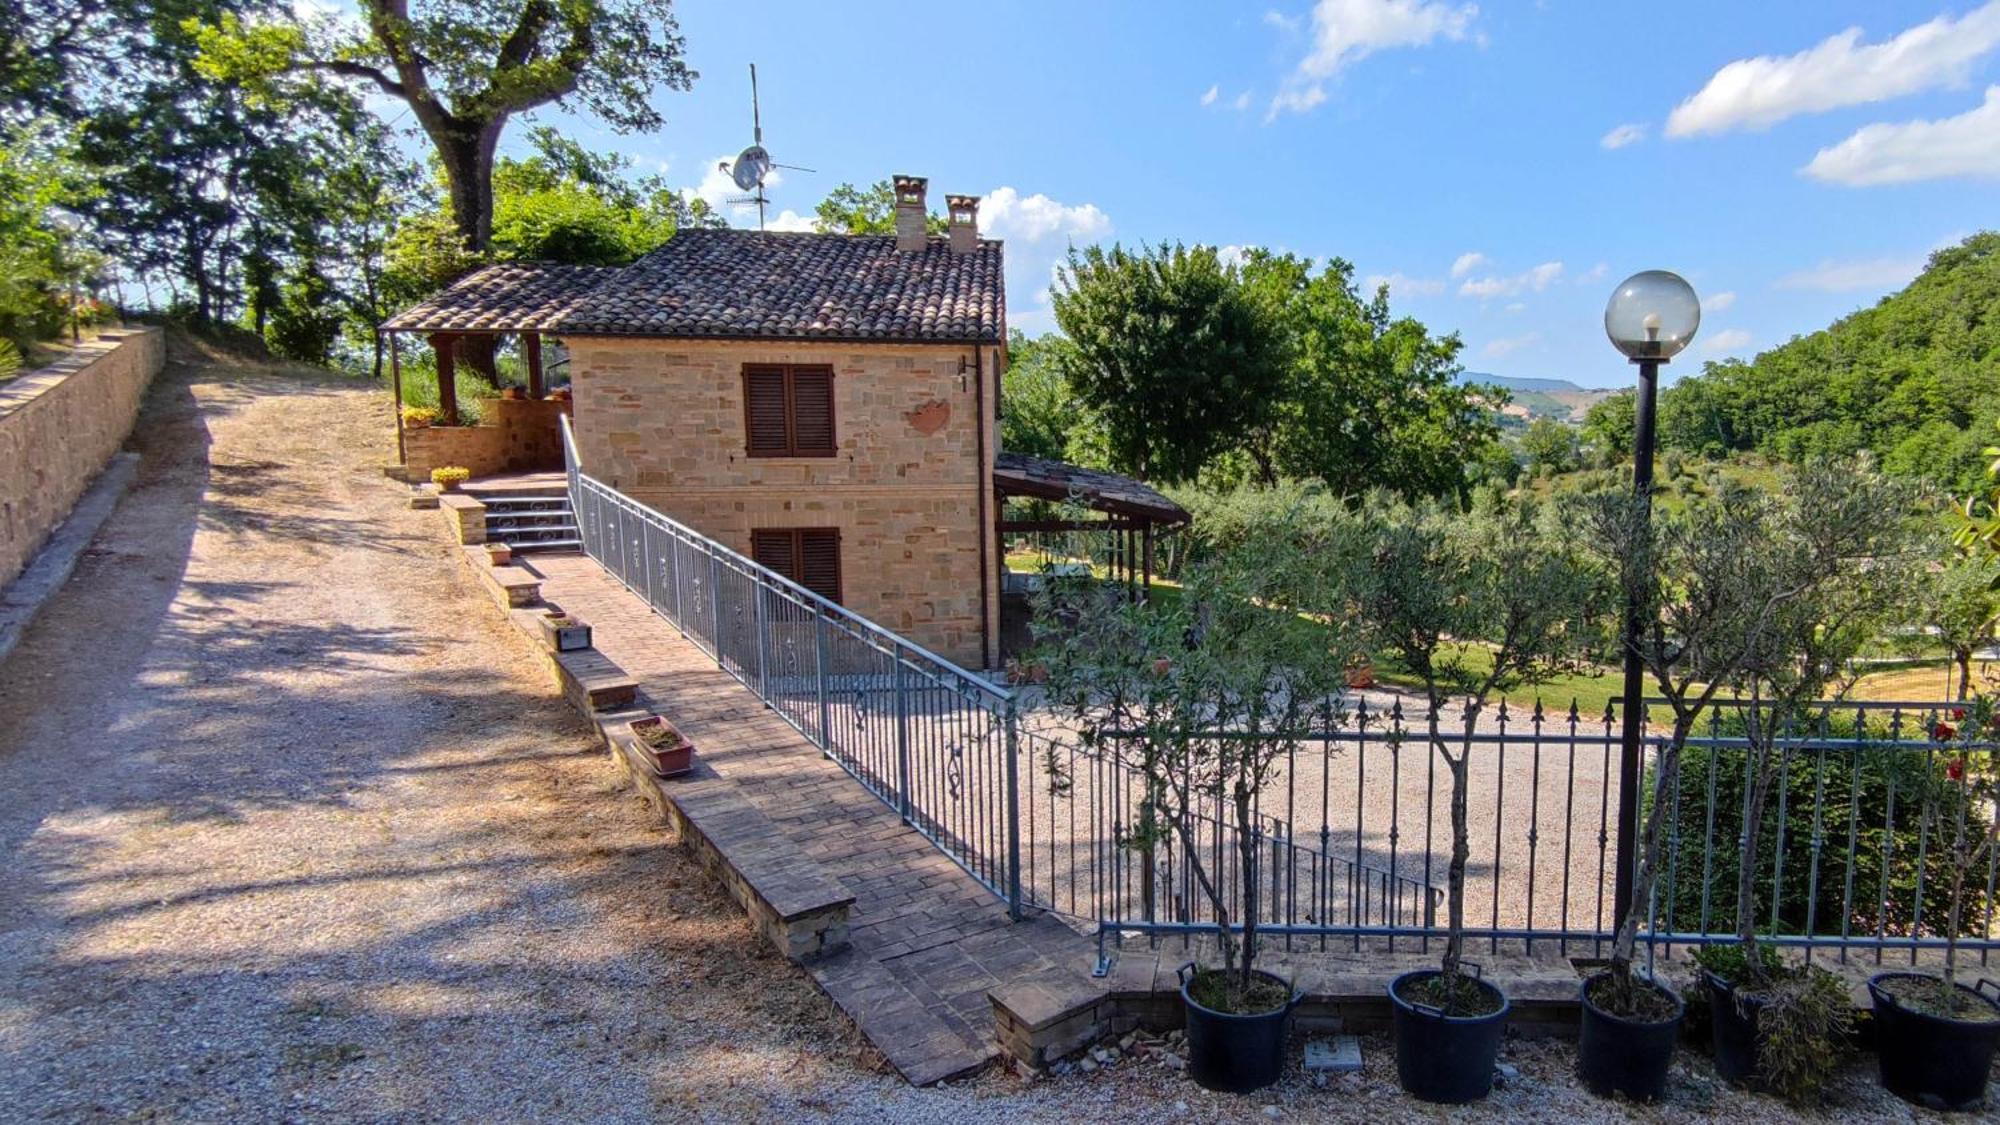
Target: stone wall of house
column 514, row 436
column 662, row 420
column 59, row 426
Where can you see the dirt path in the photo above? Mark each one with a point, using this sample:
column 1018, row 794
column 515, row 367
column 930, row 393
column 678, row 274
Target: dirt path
column 292, row 827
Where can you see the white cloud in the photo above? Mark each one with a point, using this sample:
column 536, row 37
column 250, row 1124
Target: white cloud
column 1719, row 301
column 1878, row 274
column 1402, row 285
column 1596, row 274
column 1006, row 213
column 1966, row 145
column 1231, row 255
column 1281, row 21
column 1508, row 345
column 1467, row 262
column 1344, row 31
column 1760, row 92
column 1213, row 93
column 1517, row 307
column 1727, row 340
column 1535, row 280
column 1242, row 102
column 789, row 219
column 1623, row 135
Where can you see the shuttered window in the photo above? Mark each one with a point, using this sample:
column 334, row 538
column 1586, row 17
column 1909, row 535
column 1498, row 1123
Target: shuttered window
column 809, row 556
column 788, row 410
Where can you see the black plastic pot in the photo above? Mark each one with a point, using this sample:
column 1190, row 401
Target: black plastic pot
column 1235, row 1053
column 1935, row 1062
column 1732, row 1029
column 1620, row 1055
column 1442, row 1058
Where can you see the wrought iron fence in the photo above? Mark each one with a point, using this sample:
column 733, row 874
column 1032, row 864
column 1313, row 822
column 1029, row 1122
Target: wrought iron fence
column 1352, row 835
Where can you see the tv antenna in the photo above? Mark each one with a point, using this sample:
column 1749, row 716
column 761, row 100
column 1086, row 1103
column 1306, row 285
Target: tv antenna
column 753, row 164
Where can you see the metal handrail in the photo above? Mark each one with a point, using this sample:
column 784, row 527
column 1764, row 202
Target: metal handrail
column 816, row 601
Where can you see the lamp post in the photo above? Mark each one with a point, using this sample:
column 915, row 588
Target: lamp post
column 1650, row 318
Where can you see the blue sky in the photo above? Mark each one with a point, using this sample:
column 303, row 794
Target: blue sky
column 1504, row 164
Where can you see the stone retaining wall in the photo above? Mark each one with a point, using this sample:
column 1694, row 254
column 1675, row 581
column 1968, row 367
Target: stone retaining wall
column 60, row 426
column 519, row 436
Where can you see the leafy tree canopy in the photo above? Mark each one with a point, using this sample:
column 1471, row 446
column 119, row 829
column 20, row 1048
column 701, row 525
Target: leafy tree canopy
column 1177, row 360
column 871, row 210
column 1915, row 380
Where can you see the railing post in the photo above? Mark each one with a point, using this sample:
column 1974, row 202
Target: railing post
column 1013, row 722
column 760, row 619
column 819, row 677
column 902, row 736
column 715, row 606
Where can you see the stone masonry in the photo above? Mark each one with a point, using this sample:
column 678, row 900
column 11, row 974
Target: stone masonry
column 58, row 428
column 662, row 421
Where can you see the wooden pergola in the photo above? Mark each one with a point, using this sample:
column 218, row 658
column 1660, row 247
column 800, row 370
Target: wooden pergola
column 1132, row 512
column 524, row 299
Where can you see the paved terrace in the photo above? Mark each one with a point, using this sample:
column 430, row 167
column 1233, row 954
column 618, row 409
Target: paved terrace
column 926, row 941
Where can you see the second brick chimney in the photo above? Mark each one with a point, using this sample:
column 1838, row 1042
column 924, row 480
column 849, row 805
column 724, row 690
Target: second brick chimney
column 910, row 212
column 963, row 211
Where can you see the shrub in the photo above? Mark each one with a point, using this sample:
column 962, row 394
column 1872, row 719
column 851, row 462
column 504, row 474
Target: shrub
column 10, row 359
column 420, row 416
column 1847, row 792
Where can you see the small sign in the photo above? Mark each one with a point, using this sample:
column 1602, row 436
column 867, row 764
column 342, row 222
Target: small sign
column 1337, row 1054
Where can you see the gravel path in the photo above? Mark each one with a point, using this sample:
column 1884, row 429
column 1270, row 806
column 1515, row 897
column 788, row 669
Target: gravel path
column 295, row 830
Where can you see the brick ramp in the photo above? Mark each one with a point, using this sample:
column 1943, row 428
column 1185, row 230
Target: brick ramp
column 927, row 942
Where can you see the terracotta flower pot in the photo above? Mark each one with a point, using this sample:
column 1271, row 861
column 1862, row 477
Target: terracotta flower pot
column 666, row 750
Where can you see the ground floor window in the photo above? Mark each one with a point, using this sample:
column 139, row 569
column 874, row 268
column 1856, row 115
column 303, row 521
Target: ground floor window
column 809, row 556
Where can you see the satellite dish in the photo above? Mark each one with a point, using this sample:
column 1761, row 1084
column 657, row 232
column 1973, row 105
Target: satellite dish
column 751, row 166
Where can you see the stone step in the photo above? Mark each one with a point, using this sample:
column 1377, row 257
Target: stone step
column 528, row 520
column 528, row 546
column 506, row 502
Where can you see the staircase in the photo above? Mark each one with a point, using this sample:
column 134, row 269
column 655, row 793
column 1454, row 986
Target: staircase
column 531, row 518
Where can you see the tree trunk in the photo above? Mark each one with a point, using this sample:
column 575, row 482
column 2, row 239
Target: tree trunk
column 1461, row 851
column 1746, row 874
column 467, row 151
column 1964, row 673
column 1246, row 844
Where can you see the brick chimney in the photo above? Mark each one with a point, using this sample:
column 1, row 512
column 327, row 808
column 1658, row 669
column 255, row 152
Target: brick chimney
column 964, row 229
column 910, row 212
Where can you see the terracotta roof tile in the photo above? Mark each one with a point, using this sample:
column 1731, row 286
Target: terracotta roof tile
column 735, row 283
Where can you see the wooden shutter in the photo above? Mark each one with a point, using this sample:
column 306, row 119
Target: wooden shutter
column 809, row 556
column 819, row 561
column 812, row 412
column 788, row 411
column 765, row 412
column 773, row 550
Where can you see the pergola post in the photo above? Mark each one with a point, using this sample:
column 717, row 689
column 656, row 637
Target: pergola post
column 447, row 377
column 531, row 343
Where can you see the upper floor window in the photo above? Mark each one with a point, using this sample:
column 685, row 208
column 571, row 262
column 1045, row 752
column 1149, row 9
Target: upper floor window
column 788, row 410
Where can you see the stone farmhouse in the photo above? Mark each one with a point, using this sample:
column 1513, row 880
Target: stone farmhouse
column 826, row 404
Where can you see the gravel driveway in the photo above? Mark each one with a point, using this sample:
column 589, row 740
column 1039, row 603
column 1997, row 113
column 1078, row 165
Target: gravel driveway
column 294, row 829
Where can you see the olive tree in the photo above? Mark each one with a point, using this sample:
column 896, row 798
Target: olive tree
column 1200, row 698
column 1474, row 606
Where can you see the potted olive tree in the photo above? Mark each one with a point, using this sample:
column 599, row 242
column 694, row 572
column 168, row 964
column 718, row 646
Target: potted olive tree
column 1836, row 570
column 1474, row 606
column 1199, row 698
column 1707, row 592
column 1936, row 1037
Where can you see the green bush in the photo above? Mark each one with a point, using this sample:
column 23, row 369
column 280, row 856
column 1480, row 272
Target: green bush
column 1846, row 795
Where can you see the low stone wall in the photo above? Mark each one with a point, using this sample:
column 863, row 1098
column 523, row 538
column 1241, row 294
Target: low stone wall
column 518, row 436
column 60, row 426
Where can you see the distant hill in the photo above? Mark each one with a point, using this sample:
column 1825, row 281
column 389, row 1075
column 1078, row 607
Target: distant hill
column 1915, row 379
column 1541, row 398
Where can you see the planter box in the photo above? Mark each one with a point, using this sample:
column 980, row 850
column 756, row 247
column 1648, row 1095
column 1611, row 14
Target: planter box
column 563, row 633
column 672, row 755
column 499, row 554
